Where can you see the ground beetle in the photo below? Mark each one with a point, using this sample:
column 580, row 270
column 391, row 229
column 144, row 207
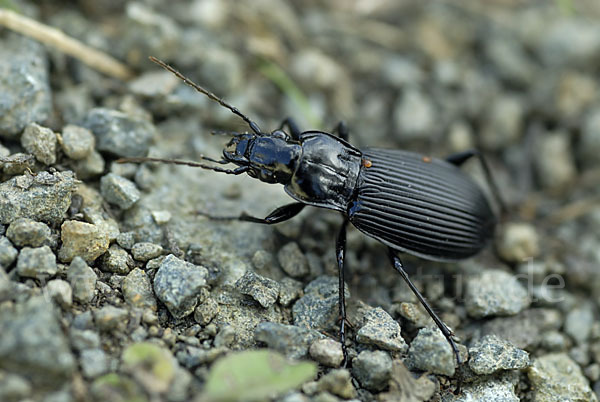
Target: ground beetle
column 410, row 202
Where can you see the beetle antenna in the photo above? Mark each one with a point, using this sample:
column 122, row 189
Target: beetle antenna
column 179, row 162
column 209, row 94
column 227, row 133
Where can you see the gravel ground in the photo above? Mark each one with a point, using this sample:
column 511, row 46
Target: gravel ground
column 113, row 287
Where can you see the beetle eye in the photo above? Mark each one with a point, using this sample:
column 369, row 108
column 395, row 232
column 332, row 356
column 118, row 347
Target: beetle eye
column 280, row 134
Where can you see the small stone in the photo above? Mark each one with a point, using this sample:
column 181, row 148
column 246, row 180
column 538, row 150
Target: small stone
column 372, row 369
column 91, row 166
column 293, row 261
column 491, row 354
column 137, row 290
column 44, row 197
column 41, row 142
column 94, row 362
column 119, row 191
column 503, row 123
column 289, row 291
column 327, row 352
column 430, row 351
column 261, row 289
column 60, row 291
column 109, row 318
column 225, row 337
column 146, row 251
column 318, row 308
column 555, row 377
column 495, row 292
column 84, row 339
column 554, row 341
column 14, row 388
column 518, row 242
column 118, row 133
column 7, row 252
column 382, row 331
column 206, row 311
column 414, row 115
column 497, row 389
column 554, row 160
column 33, row 344
column 82, row 279
column 82, row 239
column 37, row 262
column 25, row 94
column 27, row 232
column 177, row 284
column 116, row 260
column 126, row 240
column 578, row 323
column 161, row 217
column 77, row 142
column 589, row 141
column 337, row 382
column 287, row 339
column 17, row 163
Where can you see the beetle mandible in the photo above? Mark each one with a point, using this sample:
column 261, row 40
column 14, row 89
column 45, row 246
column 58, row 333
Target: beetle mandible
column 409, row 202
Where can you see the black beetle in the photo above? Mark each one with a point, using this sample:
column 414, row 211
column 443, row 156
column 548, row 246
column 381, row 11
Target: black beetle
column 410, row 202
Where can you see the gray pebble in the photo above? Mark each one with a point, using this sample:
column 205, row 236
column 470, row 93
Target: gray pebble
column 83, row 280
column 381, row 330
column 14, row 387
column 414, row 115
column 555, row 377
column 264, row 290
column 206, row 311
column 94, row 362
column 289, row 290
column 17, row 163
column 589, row 141
column 337, row 382
column 44, row 197
column 372, row 369
column 84, row 339
column 570, row 41
column 7, row 252
column 177, row 284
column 25, row 96
column 37, row 262
column 554, row 160
column 291, row 340
column 110, row 318
column 82, row 239
column 517, row 242
column 118, row 133
column 225, row 337
column 146, row 251
column 137, row 290
column 327, row 352
column 41, row 142
column 293, row 261
column 503, row 123
column 430, row 351
column 126, row 240
column 61, row 292
column 491, row 354
column 161, row 217
column 554, row 341
column 77, row 142
column 27, row 232
column 318, row 308
column 578, row 323
column 119, row 191
column 116, row 260
column 90, row 166
column 495, row 389
column 33, row 343
column 495, row 292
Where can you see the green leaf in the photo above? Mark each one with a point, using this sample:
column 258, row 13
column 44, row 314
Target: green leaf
column 255, row 375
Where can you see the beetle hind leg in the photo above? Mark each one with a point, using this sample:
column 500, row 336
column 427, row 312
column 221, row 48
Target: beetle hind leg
column 447, row 332
column 340, row 254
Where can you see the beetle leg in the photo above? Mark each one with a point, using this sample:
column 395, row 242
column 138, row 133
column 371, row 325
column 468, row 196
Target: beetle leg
column 279, row 215
column 459, row 158
column 440, row 324
column 292, row 126
column 342, row 130
column 340, row 254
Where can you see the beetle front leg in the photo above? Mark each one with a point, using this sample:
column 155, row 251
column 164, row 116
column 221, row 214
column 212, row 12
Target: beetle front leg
column 279, row 215
column 340, row 254
column 440, row 324
column 459, row 158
